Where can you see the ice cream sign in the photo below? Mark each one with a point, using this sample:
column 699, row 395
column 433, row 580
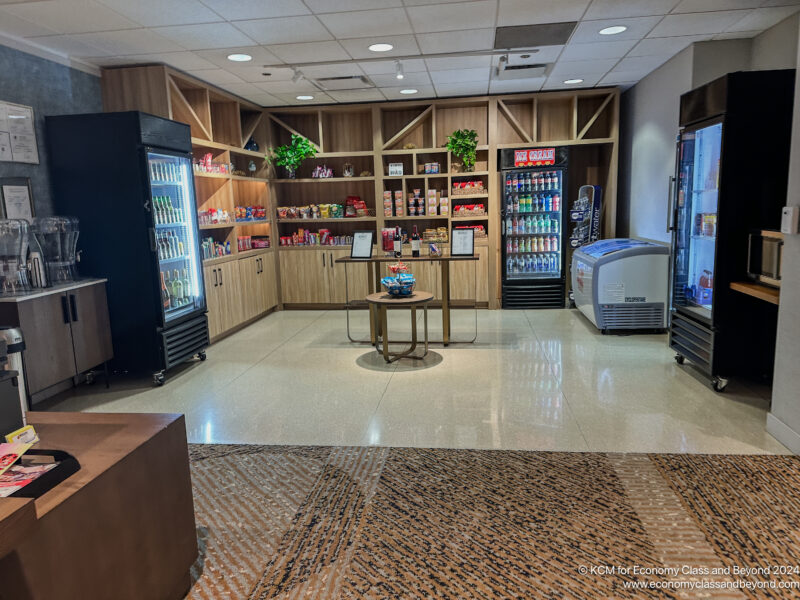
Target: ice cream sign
column 535, row 157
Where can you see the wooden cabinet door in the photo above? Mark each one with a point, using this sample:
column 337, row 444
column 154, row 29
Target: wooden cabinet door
column 304, row 279
column 352, row 285
column 213, row 301
column 49, row 356
column 91, row 327
column 230, row 295
column 251, row 294
column 482, row 270
column 269, row 281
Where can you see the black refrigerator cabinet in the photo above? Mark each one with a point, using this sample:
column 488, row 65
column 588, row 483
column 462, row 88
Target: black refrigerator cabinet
column 128, row 178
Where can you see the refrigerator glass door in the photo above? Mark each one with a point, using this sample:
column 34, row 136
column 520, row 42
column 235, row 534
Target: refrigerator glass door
column 532, row 203
column 176, row 235
column 696, row 224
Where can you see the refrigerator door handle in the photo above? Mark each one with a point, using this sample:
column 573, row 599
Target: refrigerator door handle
column 152, row 239
column 671, row 205
column 73, row 308
column 64, row 309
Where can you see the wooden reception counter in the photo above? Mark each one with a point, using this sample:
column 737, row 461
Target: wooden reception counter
column 122, row 527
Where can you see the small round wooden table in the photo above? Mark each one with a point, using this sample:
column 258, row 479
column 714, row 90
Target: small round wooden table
column 384, row 301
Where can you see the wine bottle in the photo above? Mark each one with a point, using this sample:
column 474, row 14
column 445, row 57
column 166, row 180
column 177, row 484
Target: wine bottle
column 398, row 243
column 165, row 296
column 177, row 289
column 187, row 289
column 415, row 242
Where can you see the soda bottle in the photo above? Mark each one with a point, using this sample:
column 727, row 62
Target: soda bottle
column 509, row 225
column 515, row 181
column 530, row 203
column 546, row 244
column 529, row 245
column 515, row 248
column 554, row 225
column 556, row 202
column 509, row 264
column 509, row 204
column 516, row 202
column 528, row 183
column 508, row 184
column 509, row 246
column 554, row 180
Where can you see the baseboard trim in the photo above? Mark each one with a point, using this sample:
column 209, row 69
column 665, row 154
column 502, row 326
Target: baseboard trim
column 783, row 433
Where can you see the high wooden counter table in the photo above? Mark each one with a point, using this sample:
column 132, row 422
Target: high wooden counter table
column 122, row 527
column 375, row 285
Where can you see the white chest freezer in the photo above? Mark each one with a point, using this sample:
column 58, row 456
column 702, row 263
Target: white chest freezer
column 622, row 283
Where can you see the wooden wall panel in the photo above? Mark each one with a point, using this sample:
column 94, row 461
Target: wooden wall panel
column 226, row 123
column 136, row 88
column 347, row 131
column 554, row 119
column 448, row 119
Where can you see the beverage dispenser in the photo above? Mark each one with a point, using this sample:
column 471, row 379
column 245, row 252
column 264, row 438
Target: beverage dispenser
column 58, row 239
column 13, row 257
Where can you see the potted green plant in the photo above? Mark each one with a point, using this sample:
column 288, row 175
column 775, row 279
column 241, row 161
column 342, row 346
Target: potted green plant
column 292, row 154
column 463, row 143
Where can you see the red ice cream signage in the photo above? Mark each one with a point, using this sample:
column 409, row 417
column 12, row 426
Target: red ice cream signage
column 535, row 158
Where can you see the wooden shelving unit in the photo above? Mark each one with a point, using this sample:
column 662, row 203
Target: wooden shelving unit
column 369, row 136
column 758, row 290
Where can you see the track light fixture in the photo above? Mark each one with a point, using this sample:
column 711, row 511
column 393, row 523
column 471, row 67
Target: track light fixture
column 398, row 69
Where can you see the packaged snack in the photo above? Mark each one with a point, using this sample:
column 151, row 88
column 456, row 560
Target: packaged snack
column 325, row 211
column 398, row 195
column 294, row 213
column 417, row 193
column 305, row 212
column 387, row 195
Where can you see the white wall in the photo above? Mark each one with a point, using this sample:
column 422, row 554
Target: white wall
column 776, row 48
column 717, row 58
column 784, row 419
column 647, row 161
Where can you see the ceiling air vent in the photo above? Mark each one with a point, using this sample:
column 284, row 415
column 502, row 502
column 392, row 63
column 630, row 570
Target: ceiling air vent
column 347, row 82
column 529, row 36
column 520, row 72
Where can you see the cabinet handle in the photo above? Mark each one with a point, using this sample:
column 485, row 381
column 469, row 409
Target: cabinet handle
column 216, row 281
column 260, row 266
column 73, row 305
column 220, row 277
column 331, row 260
column 323, row 259
column 64, row 309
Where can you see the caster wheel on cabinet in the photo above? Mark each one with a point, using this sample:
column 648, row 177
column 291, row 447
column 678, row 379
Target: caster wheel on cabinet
column 202, row 355
column 680, row 359
column 159, row 379
column 719, row 384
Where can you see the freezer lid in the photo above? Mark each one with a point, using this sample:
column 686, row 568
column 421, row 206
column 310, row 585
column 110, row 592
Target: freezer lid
column 606, row 247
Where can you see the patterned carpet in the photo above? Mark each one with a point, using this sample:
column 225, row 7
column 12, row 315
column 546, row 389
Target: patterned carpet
column 351, row 523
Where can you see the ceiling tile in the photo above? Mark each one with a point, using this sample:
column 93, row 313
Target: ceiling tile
column 763, row 18
column 525, row 12
column 265, row 99
column 557, row 83
column 641, row 63
column 359, row 47
column 693, row 6
column 309, row 52
column 456, row 41
column 769, row 3
column 242, row 89
column 597, row 50
column 453, row 17
column 665, row 46
column 367, row 23
column 513, row 86
column 460, row 75
column 114, row 61
column 256, row 9
column 367, row 95
column 287, row 87
column 20, row 27
column 410, row 79
column 319, row 98
column 345, row 69
column 326, row 6
column 617, row 77
column 157, row 12
column 458, row 62
column 71, row 16
column 219, row 56
column 638, row 27
column 285, row 30
column 427, row 2
column 582, row 68
column 216, row 76
column 423, row 91
column 129, row 41
column 205, row 36
column 609, row 9
column 697, row 23
column 256, row 73
column 68, row 45
column 468, row 88
column 387, row 66
column 542, row 54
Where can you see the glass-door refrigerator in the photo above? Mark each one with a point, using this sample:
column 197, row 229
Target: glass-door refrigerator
column 730, row 178
column 532, row 227
column 128, row 178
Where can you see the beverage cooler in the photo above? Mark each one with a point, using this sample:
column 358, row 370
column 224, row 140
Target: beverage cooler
column 128, row 178
column 731, row 177
column 532, row 227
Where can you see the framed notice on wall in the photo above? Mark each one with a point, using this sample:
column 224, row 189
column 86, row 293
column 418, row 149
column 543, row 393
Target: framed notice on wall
column 17, row 134
column 462, row 242
column 362, row 244
column 16, row 200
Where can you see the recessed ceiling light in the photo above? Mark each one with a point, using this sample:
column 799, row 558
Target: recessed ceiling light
column 409, row 91
column 381, row 47
column 239, row 57
column 398, row 69
column 573, row 81
column 305, row 97
column 614, row 30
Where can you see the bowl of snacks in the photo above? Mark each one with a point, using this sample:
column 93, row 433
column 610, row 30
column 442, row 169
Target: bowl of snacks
column 400, row 285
